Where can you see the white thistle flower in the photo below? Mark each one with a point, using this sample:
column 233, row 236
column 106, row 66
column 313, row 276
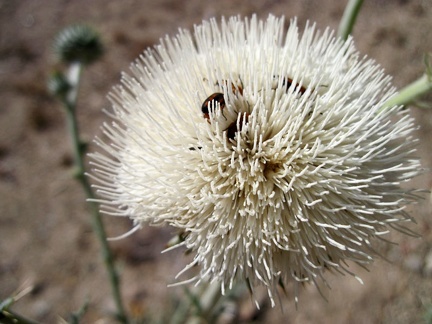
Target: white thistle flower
column 267, row 150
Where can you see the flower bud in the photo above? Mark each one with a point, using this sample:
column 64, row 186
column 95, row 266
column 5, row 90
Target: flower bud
column 78, row 44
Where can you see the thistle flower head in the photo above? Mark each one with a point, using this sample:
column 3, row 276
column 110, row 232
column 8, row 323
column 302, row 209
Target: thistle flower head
column 78, row 43
column 266, row 149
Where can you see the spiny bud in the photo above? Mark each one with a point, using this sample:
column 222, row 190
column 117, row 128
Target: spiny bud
column 78, row 44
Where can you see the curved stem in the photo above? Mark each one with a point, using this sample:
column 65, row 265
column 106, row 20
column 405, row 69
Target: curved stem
column 410, row 93
column 78, row 153
column 349, row 17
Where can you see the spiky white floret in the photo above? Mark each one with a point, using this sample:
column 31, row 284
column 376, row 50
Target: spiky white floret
column 309, row 175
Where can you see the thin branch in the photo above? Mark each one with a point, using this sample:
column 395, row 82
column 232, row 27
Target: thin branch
column 410, row 93
column 349, row 18
column 97, row 223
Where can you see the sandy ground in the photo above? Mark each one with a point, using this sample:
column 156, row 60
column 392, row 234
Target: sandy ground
column 45, row 235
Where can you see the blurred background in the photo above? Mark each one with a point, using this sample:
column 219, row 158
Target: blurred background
column 46, row 239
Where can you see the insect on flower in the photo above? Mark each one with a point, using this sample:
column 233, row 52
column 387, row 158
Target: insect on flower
column 216, row 97
column 236, row 126
column 288, row 82
column 219, row 98
column 235, row 88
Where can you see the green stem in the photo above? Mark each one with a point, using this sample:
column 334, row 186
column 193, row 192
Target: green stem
column 198, row 306
column 208, row 300
column 349, row 17
column 9, row 317
column 97, row 223
column 410, row 93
